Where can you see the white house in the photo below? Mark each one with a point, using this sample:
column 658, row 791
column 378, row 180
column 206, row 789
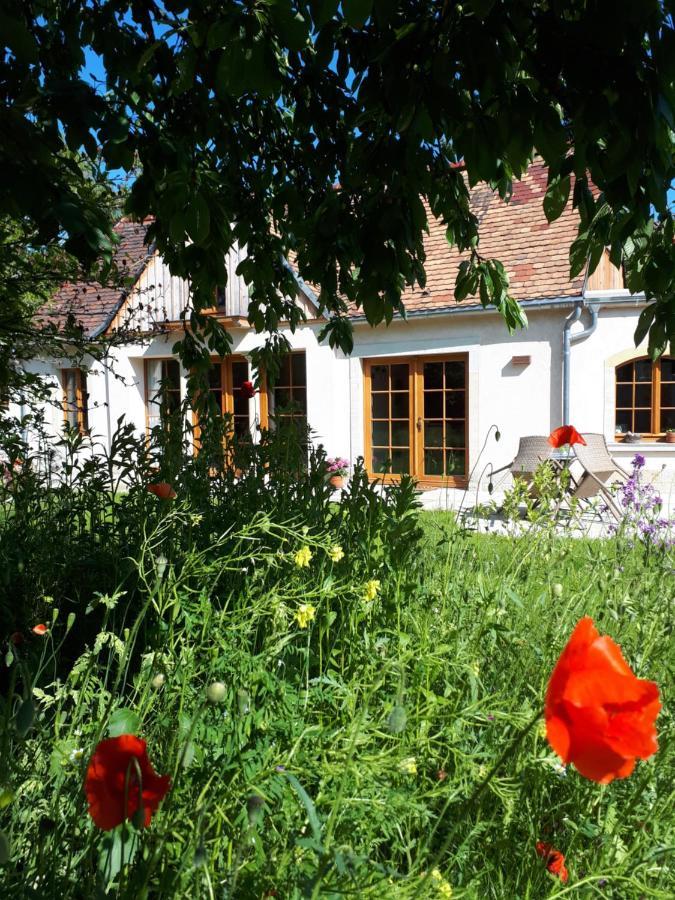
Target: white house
column 420, row 395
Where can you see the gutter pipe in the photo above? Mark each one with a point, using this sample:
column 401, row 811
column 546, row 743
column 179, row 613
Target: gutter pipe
column 568, row 340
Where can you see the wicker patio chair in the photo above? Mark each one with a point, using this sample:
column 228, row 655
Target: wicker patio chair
column 533, row 450
column 600, row 471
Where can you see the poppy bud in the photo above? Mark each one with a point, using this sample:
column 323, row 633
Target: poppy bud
column 557, row 589
column 498, row 434
column 397, row 720
column 158, row 681
column 161, row 566
column 254, row 808
column 215, row 692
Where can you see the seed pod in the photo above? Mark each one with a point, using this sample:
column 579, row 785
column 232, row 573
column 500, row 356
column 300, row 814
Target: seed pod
column 216, row 691
column 243, row 702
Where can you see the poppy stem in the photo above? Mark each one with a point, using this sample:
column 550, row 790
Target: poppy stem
column 466, row 805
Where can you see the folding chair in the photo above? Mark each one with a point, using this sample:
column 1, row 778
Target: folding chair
column 533, row 450
column 600, row 472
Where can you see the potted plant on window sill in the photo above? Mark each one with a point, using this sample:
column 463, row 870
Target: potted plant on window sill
column 337, row 469
column 670, row 436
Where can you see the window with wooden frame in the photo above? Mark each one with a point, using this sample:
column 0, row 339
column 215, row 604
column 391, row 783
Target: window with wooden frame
column 645, row 397
column 226, row 380
column 75, row 399
column 162, row 392
column 416, row 418
column 287, row 400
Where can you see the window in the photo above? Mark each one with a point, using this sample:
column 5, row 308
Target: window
column 645, row 396
column 163, row 397
column 75, row 399
column 226, row 378
column 288, row 397
column 416, row 417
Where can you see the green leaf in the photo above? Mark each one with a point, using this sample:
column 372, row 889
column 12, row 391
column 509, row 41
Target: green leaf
column 16, row 36
column 198, row 220
column 323, row 10
column 357, row 11
column 644, row 323
column 118, row 849
column 25, row 716
column 4, row 849
column 123, row 721
column 578, row 255
column 314, row 823
column 557, row 195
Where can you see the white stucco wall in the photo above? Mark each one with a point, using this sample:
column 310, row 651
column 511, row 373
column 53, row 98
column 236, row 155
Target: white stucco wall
column 519, row 399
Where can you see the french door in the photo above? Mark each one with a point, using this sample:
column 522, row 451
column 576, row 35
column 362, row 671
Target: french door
column 416, row 418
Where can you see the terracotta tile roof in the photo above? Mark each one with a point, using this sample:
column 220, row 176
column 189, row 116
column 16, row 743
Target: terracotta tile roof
column 534, row 253
column 91, row 304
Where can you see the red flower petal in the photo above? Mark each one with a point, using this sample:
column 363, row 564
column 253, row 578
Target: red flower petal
column 39, row 629
column 555, row 861
column 565, row 434
column 162, row 490
column 599, row 716
column 110, row 769
column 247, row 389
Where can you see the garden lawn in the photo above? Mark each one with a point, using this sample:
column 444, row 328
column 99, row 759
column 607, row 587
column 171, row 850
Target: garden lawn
column 345, row 752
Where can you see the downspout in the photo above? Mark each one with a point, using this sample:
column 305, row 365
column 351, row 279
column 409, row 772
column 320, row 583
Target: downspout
column 568, row 340
column 107, row 401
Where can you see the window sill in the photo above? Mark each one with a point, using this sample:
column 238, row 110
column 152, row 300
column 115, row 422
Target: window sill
column 648, row 446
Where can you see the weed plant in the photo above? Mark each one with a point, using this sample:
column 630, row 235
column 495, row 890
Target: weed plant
column 364, row 696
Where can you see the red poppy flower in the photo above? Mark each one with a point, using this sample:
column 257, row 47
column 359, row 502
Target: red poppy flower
column 247, row 389
column 162, row 490
column 16, row 638
column 39, row 629
column 566, row 434
column 555, row 861
column 599, row 715
column 111, row 768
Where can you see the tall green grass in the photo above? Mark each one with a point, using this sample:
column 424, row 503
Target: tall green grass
column 346, row 758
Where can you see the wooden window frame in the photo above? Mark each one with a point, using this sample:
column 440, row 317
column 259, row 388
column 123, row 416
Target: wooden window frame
column 146, row 363
column 227, row 392
column 81, row 395
column 655, row 433
column 415, row 414
column 290, row 386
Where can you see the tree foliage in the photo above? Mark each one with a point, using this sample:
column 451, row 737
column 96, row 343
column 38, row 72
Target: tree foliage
column 328, row 132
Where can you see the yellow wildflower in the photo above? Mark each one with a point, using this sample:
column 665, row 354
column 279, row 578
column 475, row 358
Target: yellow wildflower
column 303, row 557
column 306, row 613
column 408, row 765
column 336, row 553
column 371, row 589
column 442, row 886
column 541, row 730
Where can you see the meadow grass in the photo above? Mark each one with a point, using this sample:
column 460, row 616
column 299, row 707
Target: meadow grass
column 376, row 725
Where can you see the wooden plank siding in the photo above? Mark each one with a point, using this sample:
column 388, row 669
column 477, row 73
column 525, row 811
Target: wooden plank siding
column 158, row 298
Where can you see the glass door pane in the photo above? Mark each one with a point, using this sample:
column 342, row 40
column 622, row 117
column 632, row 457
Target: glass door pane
column 442, row 423
column 390, row 418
